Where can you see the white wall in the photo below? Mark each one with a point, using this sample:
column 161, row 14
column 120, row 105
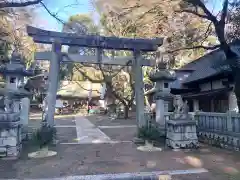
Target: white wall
column 205, row 86
column 215, row 85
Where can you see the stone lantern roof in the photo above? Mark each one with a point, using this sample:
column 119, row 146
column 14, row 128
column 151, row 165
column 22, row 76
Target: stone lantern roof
column 19, row 93
column 15, row 67
column 159, row 94
column 165, row 75
column 162, row 74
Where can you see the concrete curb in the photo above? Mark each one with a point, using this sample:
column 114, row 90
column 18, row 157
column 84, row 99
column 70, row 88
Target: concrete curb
column 128, row 176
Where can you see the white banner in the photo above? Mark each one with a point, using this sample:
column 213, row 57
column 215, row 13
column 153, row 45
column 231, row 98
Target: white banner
column 103, row 91
column 89, row 90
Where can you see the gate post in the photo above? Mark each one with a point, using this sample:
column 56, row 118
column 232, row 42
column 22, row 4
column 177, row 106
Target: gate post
column 139, row 93
column 53, row 82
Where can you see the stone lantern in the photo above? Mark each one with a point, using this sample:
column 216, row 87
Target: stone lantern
column 162, row 78
column 11, row 119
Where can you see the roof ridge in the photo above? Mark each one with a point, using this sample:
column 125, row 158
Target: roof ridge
column 235, row 42
column 201, row 58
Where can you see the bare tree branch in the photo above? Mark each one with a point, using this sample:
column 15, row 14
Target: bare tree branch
column 18, row 4
column 115, row 94
column 195, row 47
column 128, row 10
column 207, row 33
column 67, row 6
column 87, row 89
column 201, row 4
column 87, row 77
column 52, row 14
column 193, row 12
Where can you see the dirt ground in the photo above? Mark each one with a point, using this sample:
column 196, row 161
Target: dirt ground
column 75, row 159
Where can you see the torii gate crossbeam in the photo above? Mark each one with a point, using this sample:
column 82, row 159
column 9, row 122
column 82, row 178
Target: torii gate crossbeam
column 94, row 41
column 57, row 39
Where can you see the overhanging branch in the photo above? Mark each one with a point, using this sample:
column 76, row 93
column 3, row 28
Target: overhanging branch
column 207, row 33
column 18, row 4
column 87, row 77
column 87, row 89
column 194, row 13
column 129, row 10
column 116, row 73
column 201, row 4
column 54, row 15
column 195, row 47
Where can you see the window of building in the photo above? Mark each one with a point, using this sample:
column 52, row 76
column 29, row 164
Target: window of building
column 165, row 85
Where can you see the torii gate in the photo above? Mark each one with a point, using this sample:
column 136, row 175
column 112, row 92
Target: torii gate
column 57, row 39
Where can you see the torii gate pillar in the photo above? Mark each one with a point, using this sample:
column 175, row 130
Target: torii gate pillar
column 137, row 45
column 53, row 82
column 139, row 86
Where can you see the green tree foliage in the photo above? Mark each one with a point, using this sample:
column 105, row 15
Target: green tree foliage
column 158, row 18
column 80, row 24
column 199, row 9
column 84, row 20
column 188, row 23
column 118, row 81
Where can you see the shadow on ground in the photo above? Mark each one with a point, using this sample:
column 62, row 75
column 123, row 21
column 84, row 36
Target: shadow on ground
column 121, row 158
column 83, row 159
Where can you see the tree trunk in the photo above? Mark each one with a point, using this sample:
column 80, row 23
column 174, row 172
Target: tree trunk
column 232, row 60
column 237, row 87
column 126, row 112
column 147, row 101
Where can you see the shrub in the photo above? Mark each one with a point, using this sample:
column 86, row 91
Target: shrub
column 44, row 136
column 149, row 133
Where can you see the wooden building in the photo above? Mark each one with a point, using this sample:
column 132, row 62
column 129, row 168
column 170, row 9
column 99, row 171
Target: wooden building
column 207, row 83
column 79, row 90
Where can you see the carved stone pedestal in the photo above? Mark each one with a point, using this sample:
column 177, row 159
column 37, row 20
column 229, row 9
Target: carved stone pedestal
column 181, row 134
column 10, row 135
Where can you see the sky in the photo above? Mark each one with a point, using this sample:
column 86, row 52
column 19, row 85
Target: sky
column 66, row 8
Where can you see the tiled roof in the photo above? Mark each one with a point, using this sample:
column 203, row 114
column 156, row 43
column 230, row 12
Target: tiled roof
column 182, row 75
column 204, row 66
column 79, row 89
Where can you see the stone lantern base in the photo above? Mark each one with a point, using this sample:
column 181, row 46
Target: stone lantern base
column 182, row 134
column 10, row 135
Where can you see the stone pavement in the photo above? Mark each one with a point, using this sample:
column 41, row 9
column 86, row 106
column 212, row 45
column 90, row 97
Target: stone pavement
column 88, row 133
column 117, row 155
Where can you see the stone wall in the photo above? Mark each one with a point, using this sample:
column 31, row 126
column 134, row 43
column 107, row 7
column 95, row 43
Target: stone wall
column 218, row 129
column 10, row 135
